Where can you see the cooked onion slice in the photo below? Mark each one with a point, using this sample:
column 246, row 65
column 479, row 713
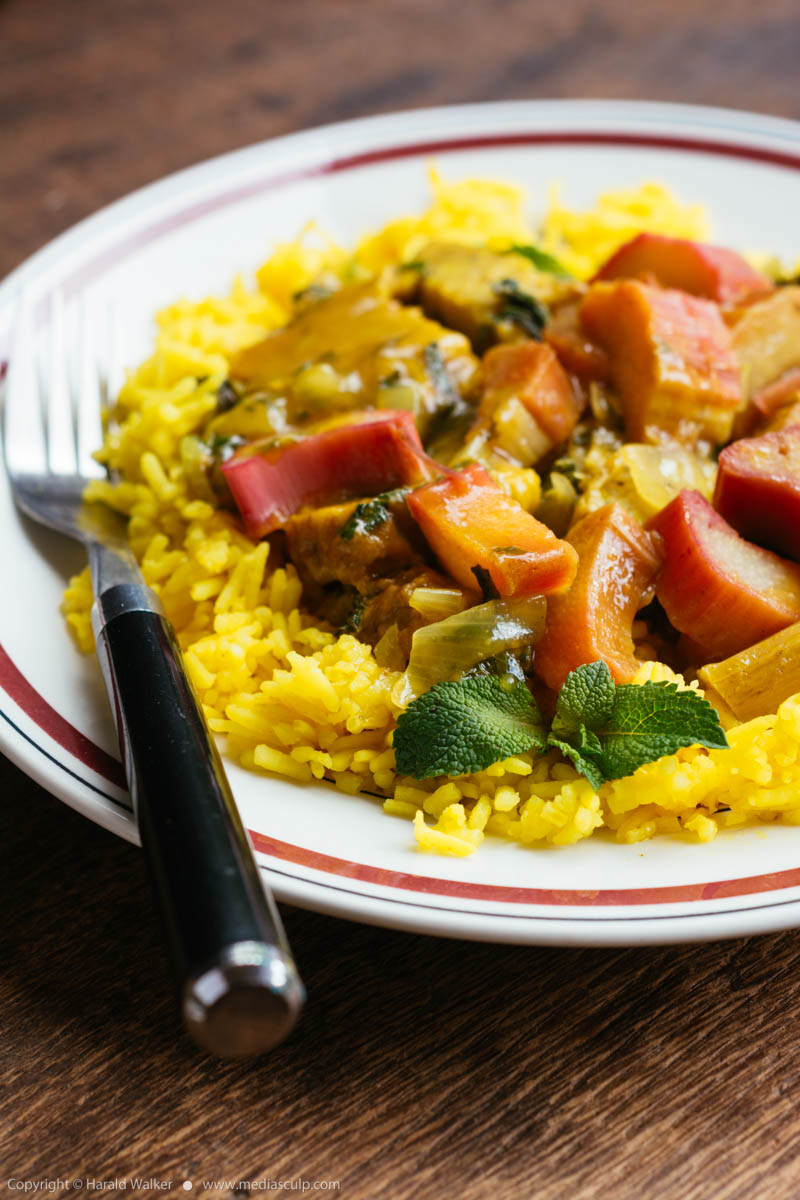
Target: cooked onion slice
column 446, row 649
column 436, row 603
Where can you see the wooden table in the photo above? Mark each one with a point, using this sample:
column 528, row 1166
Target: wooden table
column 422, row 1068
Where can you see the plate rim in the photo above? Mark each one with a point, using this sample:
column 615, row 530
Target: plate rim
column 144, row 203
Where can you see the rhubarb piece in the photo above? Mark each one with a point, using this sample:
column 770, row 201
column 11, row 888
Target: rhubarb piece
column 766, row 340
column 531, row 372
column 784, row 418
column 470, row 522
column 672, row 360
column 528, row 400
column 776, row 395
column 710, row 271
column 758, row 490
column 379, row 452
column 575, row 351
column 617, row 565
column 757, row 680
column 722, row 592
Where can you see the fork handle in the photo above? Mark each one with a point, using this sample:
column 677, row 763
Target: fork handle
column 241, row 993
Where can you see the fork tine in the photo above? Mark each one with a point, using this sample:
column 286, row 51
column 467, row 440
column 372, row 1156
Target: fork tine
column 23, row 432
column 89, row 395
column 61, row 448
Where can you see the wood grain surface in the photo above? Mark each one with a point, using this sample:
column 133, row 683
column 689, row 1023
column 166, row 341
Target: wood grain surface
column 422, row 1068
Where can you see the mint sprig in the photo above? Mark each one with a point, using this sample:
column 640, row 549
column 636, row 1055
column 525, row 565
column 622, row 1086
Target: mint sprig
column 466, row 725
column 606, row 730
column 657, row 721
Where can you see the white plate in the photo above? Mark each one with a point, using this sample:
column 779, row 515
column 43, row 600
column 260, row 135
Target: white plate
column 187, row 235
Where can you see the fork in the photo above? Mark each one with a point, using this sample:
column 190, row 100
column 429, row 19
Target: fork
column 240, row 992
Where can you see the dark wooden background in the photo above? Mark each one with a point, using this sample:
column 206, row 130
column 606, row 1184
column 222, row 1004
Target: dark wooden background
column 422, row 1068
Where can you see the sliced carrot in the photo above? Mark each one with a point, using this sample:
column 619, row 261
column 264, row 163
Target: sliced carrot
column 470, row 522
column 617, row 566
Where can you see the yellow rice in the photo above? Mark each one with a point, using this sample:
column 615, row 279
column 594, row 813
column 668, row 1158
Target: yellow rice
column 293, row 699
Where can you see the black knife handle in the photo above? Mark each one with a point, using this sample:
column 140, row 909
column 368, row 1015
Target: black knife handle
column 241, row 992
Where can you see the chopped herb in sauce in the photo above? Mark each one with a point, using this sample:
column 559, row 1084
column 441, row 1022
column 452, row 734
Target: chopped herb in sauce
column 222, row 447
column 541, row 260
column 524, row 310
column 356, row 614
column 227, row 396
column 447, row 394
column 488, row 590
column 370, row 514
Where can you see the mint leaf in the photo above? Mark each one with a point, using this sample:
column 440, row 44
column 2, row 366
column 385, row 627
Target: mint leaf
column 609, row 731
column 586, row 766
column 586, row 698
column 583, row 747
column 588, row 742
column 650, row 720
column 541, row 260
column 466, row 725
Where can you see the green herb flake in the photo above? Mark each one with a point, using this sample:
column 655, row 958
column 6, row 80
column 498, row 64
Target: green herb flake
column 370, row 514
column 541, row 260
column 524, row 310
column 227, row 396
column 223, row 446
column 571, row 471
column 312, row 294
column 356, row 614
column 485, row 583
column 447, row 394
column 365, row 517
column 460, row 727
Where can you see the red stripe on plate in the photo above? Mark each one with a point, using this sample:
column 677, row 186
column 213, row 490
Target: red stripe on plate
column 14, row 683
column 779, row 158
column 519, row 895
